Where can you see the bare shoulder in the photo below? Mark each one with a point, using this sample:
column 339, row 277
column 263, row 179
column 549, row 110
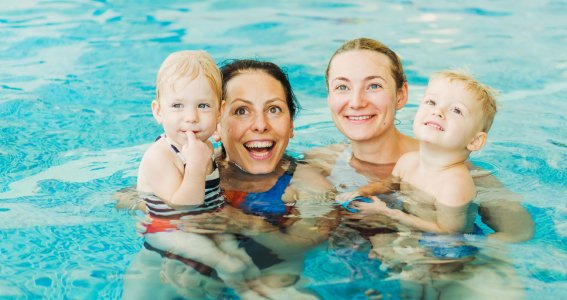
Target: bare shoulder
column 157, row 160
column 406, row 162
column 156, row 154
column 324, row 158
column 310, row 178
column 457, row 188
column 327, row 152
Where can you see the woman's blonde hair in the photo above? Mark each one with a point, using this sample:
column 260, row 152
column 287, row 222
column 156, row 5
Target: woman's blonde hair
column 188, row 64
column 372, row 45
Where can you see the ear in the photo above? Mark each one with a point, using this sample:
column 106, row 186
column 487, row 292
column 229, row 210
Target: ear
column 291, row 129
column 217, row 133
column 478, row 141
column 156, row 111
column 221, row 112
column 402, row 96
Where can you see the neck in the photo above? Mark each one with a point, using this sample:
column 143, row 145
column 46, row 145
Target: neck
column 436, row 158
column 384, row 149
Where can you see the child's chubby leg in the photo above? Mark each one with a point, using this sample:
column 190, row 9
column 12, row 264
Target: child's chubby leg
column 280, row 281
column 229, row 244
column 196, row 247
column 203, row 249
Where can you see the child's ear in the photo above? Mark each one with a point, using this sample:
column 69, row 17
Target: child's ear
column 402, row 96
column 156, row 111
column 478, row 141
column 216, row 135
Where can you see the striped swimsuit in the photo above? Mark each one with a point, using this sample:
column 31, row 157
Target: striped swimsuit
column 162, row 213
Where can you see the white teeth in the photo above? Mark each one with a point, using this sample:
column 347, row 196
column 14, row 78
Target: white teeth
column 259, row 144
column 359, row 118
column 434, row 126
column 261, row 154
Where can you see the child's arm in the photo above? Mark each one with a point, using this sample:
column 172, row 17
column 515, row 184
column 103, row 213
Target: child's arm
column 451, row 209
column 175, row 187
column 378, row 187
column 441, row 225
column 198, row 156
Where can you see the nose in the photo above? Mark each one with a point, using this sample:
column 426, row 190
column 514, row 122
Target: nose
column 191, row 116
column 438, row 112
column 260, row 124
column 357, row 99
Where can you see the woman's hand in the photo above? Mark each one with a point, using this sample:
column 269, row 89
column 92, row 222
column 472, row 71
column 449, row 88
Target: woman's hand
column 229, row 220
column 205, row 223
column 372, row 208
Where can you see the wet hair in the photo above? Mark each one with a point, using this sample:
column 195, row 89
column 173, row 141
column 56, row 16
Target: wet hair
column 376, row 46
column 482, row 93
column 188, row 64
column 233, row 68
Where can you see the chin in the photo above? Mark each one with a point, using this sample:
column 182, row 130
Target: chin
column 358, row 138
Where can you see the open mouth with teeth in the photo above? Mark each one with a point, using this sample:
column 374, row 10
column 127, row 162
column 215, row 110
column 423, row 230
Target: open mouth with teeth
column 359, row 118
column 434, row 126
column 259, row 149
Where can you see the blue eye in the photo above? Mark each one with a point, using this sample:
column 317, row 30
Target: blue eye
column 341, row 87
column 203, row 105
column 374, row 86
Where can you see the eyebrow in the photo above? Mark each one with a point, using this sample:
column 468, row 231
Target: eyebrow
column 187, row 99
column 252, row 103
column 365, row 78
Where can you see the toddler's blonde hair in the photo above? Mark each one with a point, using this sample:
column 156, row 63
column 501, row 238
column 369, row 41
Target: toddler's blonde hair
column 188, row 64
column 483, row 93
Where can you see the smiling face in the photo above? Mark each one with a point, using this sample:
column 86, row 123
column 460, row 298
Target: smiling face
column 190, row 105
column 449, row 116
column 256, row 124
column 363, row 96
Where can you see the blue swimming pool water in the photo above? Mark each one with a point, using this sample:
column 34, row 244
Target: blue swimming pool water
column 77, row 78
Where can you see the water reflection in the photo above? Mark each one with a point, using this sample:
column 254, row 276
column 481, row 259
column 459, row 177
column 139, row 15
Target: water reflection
column 319, row 251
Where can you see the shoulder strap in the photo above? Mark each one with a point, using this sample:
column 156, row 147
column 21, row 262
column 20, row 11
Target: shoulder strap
column 174, row 149
column 292, row 166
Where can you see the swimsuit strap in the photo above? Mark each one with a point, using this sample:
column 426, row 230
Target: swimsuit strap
column 177, row 152
column 292, row 166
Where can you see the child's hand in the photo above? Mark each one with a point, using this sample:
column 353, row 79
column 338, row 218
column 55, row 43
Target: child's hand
column 197, row 153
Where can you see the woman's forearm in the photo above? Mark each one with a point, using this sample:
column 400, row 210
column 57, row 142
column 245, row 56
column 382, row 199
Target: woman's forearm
column 511, row 222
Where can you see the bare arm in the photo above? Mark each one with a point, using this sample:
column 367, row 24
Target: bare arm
column 178, row 188
column 451, row 209
column 434, row 226
column 308, row 185
column 501, row 210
